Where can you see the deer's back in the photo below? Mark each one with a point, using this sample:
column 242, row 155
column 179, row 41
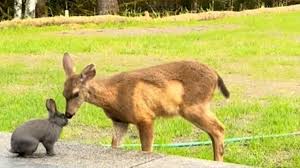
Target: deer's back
column 162, row 89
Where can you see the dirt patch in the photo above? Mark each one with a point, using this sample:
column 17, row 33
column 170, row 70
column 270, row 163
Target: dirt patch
column 86, row 134
column 29, row 62
column 107, row 65
column 244, row 123
column 142, row 31
column 93, row 135
column 16, row 89
column 260, row 88
column 281, row 157
column 297, row 39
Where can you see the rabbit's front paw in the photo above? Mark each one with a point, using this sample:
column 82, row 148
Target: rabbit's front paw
column 50, row 153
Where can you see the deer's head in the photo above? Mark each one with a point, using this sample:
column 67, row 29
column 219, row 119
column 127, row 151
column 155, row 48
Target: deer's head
column 75, row 87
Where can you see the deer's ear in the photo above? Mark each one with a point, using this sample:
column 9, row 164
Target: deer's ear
column 68, row 65
column 51, row 106
column 88, row 73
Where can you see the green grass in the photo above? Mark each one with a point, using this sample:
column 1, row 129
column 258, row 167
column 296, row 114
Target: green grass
column 256, row 42
column 264, row 47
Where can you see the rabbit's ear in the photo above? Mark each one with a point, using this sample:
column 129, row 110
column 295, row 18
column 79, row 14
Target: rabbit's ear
column 51, row 106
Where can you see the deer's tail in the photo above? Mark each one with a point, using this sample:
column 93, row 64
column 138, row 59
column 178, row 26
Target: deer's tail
column 223, row 88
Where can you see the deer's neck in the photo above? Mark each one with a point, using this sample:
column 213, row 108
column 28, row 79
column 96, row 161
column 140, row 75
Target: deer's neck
column 100, row 94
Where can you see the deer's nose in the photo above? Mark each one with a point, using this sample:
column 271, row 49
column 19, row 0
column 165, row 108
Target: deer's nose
column 68, row 115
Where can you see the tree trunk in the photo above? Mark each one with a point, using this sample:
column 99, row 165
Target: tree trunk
column 41, row 9
column 30, row 8
column 231, row 5
column 194, row 5
column 212, row 5
column 107, row 7
column 18, row 9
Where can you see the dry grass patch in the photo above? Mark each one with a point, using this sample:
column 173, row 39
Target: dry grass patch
column 30, row 61
column 220, row 14
column 261, row 88
column 59, row 20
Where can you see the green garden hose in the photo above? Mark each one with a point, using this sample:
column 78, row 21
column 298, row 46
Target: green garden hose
column 229, row 140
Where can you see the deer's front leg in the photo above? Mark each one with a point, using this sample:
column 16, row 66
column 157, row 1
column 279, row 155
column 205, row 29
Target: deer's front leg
column 146, row 135
column 119, row 131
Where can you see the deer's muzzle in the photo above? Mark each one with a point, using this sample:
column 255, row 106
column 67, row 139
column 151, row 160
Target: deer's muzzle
column 68, row 115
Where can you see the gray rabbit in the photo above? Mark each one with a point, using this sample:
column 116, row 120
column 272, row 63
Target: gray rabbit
column 25, row 139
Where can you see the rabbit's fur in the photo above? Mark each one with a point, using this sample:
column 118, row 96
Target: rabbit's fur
column 25, row 138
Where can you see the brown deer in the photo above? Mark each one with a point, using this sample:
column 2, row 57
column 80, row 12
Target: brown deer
column 138, row 97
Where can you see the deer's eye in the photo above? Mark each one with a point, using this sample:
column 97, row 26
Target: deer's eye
column 75, row 95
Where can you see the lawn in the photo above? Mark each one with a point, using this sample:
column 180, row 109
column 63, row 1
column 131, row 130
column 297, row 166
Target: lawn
column 258, row 57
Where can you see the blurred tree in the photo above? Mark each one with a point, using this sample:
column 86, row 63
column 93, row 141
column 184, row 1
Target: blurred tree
column 18, row 9
column 107, row 7
column 6, row 9
column 41, row 9
column 30, row 8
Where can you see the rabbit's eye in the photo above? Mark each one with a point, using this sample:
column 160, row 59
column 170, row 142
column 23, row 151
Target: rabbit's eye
column 60, row 115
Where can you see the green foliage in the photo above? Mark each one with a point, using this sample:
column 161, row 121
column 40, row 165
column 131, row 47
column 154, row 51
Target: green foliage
column 6, row 9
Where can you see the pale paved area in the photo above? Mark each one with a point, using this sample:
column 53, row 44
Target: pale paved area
column 73, row 155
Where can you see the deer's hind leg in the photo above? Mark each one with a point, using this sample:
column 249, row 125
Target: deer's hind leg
column 120, row 129
column 201, row 117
